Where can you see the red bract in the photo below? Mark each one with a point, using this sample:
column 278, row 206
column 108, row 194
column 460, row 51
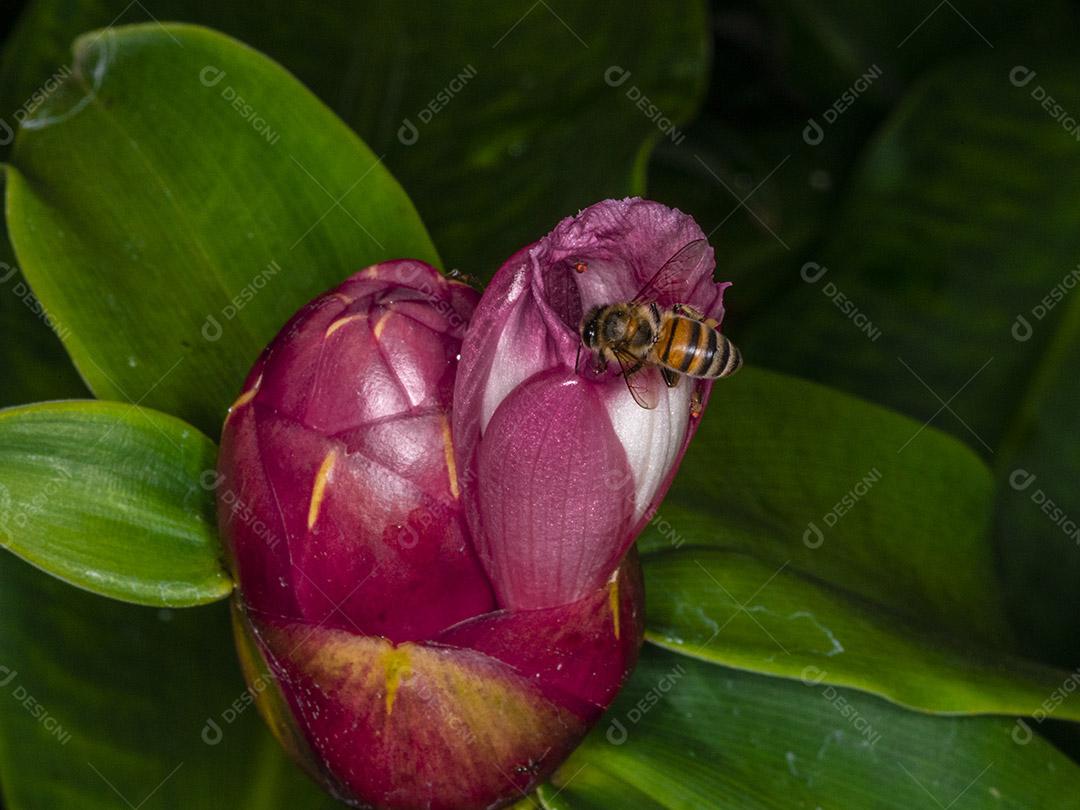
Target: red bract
column 567, row 466
column 373, row 637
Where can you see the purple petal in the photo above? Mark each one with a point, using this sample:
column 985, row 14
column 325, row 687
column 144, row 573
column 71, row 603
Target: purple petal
column 552, row 478
column 341, row 443
column 524, row 338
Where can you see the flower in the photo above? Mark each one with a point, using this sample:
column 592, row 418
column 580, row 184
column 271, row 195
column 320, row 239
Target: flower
column 331, row 443
column 562, row 466
column 372, row 637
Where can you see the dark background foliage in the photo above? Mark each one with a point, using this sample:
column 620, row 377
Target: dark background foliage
column 891, row 259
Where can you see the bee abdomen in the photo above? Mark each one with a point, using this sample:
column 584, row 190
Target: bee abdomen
column 691, row 347
column 725, row 358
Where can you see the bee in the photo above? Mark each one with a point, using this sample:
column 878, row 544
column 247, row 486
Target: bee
column 640, row 334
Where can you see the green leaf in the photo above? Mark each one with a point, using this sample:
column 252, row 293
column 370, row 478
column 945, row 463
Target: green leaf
column 34, row 362
column 105, row 705
column 499, row 157
column 762, row 198
column 1038, row 517
column 958, row 244
column 684, row 734
column 176, row 239
column 842, row 40
column 112, row 498
column 960, row 218
column 811, row 535
column 849, row 493
column 732, row 609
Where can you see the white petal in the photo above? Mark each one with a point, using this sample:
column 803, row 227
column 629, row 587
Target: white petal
column 521, row 353
column 652, row 438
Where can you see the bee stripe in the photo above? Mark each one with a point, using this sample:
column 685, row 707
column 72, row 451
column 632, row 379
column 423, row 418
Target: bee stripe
column 721, row 367
column 709, row 355
column 672, row 326
column 690, row 346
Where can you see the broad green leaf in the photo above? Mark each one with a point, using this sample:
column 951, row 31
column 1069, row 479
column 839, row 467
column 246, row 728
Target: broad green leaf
column 685, row 734
column 842, row 40
column 112, row 498
column 849, row 493
column 175, row 238
column 106, row 705
column 959, row 220
column 1038, row 517
column 732, row 609
column 761, row 198
column 35, row 366
column 958, row 246
column 515, row 124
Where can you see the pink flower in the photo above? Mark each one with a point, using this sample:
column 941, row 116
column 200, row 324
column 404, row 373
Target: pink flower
column 382, row 657
column 561, row 466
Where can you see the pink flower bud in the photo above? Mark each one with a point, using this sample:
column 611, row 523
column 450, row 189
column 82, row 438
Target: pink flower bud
column 370, row 632
column 562, row 464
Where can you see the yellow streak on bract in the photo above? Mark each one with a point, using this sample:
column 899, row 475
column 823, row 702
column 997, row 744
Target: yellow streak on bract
column 448, row 452
column 340, row 322
column 397, row 664
column 320, row 487
column 613, row 601
column 342, row 297
column 381, row 323
column 245, row 397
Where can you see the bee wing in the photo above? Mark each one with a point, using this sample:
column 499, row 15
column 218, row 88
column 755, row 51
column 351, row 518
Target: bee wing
column 671, row 278
column 643, row 382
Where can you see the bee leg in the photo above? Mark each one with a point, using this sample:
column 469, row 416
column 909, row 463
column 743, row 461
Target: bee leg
column 670, row 377
column 690, row 312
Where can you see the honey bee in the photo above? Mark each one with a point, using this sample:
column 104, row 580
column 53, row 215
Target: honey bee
column 639, row 334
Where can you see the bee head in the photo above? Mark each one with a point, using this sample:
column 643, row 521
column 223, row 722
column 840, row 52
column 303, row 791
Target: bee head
column 615, row 324
column 590, row 327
